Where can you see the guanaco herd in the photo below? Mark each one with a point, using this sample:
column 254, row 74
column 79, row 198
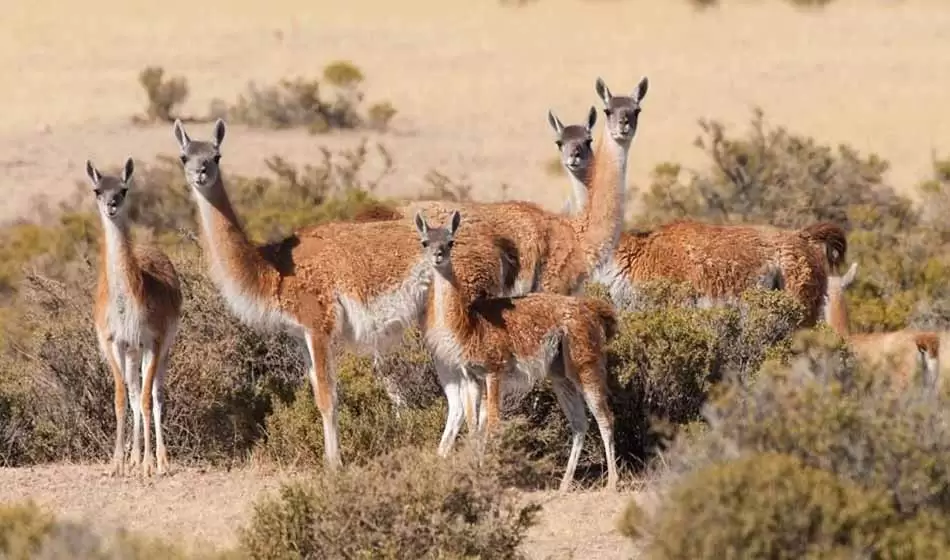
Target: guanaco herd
column 495, row 288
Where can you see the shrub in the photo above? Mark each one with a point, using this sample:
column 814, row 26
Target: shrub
column 301, row 102
column 821, row 435
column 409, row 504
column 164, row 95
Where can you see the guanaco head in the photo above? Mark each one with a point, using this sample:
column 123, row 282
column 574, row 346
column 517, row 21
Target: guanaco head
column 836, row 311
column 928, row 354
column 199, row 158
column 110, row 191
column 575, row 142
column 622, row 111
column 437, row 242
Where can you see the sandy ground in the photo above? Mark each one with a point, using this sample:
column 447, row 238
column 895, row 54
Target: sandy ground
column 472, row 81
column 206, row 507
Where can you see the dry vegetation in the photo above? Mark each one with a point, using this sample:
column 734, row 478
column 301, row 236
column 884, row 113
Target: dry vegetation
column 751, row 437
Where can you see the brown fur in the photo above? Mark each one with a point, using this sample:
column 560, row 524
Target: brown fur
column 722, row 261
column 496, row 334
column 899, row 349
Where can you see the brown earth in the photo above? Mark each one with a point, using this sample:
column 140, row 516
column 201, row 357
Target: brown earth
column 200, row 506
column 472, row 81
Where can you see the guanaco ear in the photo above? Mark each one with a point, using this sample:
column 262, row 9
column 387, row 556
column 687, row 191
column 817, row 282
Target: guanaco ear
column 93, row 173
column 555, row 122
column 591, row 118
column 641, row 90
column 180, row 135
column 127, row 171
column 219, row 130
column 421, row 225
column 849, row 276
column 603, row 91
column 456, row 221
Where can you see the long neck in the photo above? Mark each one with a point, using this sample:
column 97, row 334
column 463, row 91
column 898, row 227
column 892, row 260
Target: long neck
column 120, row 266
column 836, row 313
column 599, row 224
column 233, row 258
column 577, row 202
column 450, row 305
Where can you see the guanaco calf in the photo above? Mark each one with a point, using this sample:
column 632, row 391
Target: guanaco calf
column 521, row 340
column 912, row 349
column 137, row 310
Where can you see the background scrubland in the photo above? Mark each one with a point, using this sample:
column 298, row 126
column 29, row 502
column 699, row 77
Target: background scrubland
column 758, row 112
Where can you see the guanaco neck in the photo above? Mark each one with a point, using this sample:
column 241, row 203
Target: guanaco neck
column 119, row 265
column 234, row 259
column 449, row 306
column 578, row 201
column 836, row 313
column 600, row 221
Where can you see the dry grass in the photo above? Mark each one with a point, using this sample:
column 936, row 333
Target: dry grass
column 207, row 506
column 472, row 88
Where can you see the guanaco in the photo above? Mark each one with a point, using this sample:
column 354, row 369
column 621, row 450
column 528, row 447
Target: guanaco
column 137, row 311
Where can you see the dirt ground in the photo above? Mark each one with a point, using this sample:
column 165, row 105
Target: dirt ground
column 207, row 506
column 472, row 80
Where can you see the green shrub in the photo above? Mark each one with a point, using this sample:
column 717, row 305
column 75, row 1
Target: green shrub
column 409, row 504
column 818, row 457
column 303, row 103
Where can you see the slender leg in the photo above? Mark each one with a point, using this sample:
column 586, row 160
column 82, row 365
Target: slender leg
column 572, row 404
column 452, row 386
column 151, row 356
column 489, row 415
column 131, row 367
column 594, row 386
column 323, row 380
column 113, row 360
column 158, row 399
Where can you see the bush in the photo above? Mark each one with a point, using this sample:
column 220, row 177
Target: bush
column 867, row 462
column 301, row 102
column 164, row 95
column 409, row 504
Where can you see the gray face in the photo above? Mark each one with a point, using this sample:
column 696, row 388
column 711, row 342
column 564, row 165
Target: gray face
column 111, row 191
column 200, row 159
column 437, row 242
column 575, row 143
column 622, row 112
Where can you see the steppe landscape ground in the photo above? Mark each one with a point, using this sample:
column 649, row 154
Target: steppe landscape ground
column 472, row 83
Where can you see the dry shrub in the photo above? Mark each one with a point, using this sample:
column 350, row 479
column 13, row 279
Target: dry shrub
column 303, row 102
column 29, row 533
column 408, row 504
column 369, row 423
column 816, row 458
column 164, row 95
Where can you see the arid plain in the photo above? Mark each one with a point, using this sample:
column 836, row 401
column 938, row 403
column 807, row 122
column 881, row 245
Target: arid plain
column 472, row 83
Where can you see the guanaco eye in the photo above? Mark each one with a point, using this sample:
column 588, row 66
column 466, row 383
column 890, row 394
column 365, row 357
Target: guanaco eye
column 450, row 244
column 608, row 112
column 558, row 143
column 216, row 158
column 98, row 192
column 425, row 243
column 183, row 158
